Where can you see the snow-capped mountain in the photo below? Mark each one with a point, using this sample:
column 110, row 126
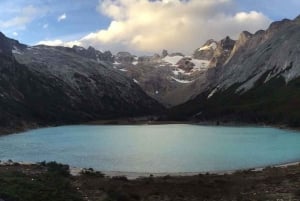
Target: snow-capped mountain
column 258, row 82
column 161, row 75
column 47, row 85
column 255, row 78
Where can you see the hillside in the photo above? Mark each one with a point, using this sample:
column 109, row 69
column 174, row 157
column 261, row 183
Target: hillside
column 259, row 82
column 43, row 85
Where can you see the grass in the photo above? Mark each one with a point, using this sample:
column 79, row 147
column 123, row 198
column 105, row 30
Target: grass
column 50, row 183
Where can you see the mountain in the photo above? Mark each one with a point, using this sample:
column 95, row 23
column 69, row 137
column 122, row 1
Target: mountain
column 258, row 82
column 57, row 85
column 254, row 79
column 160, row 76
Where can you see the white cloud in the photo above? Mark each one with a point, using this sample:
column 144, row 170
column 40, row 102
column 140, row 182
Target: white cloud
column 56, row 42
column 176, row 25
column 62, row 17
column 15, row 33
column 45, row 26
column 25, row 16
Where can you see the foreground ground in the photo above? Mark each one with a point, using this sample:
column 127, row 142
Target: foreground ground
column 53, row 182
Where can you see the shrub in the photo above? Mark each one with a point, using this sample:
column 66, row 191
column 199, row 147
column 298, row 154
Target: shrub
column 91, row 172
column 57, row 168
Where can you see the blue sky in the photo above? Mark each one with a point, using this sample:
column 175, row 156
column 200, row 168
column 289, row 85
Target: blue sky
column 81, row 18
column 123, row 24
column 274, row 9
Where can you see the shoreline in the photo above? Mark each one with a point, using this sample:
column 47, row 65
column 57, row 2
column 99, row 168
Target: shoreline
column 270, row 183
column 75, row 171
column 137, row 175
column 125, row 122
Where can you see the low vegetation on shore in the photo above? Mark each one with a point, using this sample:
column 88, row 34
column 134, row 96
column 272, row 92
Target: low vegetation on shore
column 53, row 181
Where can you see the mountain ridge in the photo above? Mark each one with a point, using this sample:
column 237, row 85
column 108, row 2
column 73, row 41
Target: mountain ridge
column 259, row 82
column 224, row 80
column 43, row 85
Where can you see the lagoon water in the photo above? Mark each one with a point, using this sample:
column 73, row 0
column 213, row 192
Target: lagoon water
column 155, row 148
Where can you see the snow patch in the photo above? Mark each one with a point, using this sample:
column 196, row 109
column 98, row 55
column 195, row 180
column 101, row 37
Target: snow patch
column 15, row 50
column 116, row 63
column 208, row 47
column 134, row 62
column 177, row 71
column 172, row 60
column 200, row 64
column 212, row 93
column 135, row 81
column 123, row 69
column 182, row 81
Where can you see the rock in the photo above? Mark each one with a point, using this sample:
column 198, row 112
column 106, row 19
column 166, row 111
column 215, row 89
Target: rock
column 164, row 53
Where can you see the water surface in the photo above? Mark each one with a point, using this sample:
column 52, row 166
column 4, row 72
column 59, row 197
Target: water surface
column 155, row 148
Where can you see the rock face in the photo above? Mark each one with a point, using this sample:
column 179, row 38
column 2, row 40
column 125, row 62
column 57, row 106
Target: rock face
column 170, row 78
column 254, row 79
column 160, row 76
column 47, row 85
column 258, row 82
column 206, row 52
column 90, row 53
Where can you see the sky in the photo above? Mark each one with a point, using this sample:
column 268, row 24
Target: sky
column 138, row 26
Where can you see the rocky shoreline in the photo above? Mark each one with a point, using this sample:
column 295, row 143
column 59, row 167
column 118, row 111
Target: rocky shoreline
column 270, row 183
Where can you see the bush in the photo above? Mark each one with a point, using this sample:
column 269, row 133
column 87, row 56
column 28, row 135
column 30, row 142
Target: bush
column 56, row 168
column 91, row 172
column 120, row 178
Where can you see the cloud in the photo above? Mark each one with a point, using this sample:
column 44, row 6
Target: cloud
column 45, row 26
column 176, row 25
column 62, row 17
column 25, row 16
column 58, row 42
column 15, row 33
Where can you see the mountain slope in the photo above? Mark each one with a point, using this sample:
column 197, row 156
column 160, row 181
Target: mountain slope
column 259, row 82
column 47, row 85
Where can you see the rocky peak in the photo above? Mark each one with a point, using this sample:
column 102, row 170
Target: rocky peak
column 106, row 56
column 92, row 53
column 211, row 43
column 297, row 19
column 222, row 52
column 124, row 57
column 259, row 32
column 206, row 51
column 185, row 64
column 275, row 26
column 164, row 53
column 5, row 46
column 227, row 43
column 149, row 59
column 243, row 38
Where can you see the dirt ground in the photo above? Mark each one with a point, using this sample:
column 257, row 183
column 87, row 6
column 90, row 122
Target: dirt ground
column 272, row 183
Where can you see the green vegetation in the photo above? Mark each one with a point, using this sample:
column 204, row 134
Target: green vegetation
column 91, row 172
column 47, row 182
